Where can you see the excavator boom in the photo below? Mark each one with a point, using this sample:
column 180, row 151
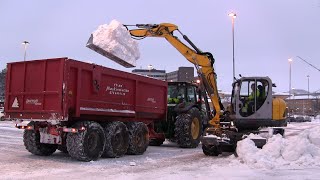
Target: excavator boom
column 203, row 61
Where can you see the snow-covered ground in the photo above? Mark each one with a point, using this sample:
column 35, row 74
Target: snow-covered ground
column 170, row 162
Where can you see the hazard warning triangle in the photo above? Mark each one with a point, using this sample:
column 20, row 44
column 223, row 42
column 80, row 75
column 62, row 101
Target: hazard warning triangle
column 15, row 103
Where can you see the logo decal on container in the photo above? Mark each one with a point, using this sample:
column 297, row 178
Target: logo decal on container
column 15, row 103
column 33, row 101
column 151, row 100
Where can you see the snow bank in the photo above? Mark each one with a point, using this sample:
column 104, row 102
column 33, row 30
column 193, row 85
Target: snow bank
column 302, row 150
column 114, row 42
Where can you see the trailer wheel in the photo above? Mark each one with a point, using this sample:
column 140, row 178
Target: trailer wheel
column 188, row 128
column 87, row 144
column 138, row 138
column 117, row 139
column 210, row 150
column 31, row 140
column 156, row 142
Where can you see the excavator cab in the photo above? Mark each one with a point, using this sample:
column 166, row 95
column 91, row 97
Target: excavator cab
column 252, row 103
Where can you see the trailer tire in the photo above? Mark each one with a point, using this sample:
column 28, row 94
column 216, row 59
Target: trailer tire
column 156, row 142
column 117, row 139
column 31, row 140
column 138, row 138
column 188, row 128
column 210, row 150
column 88, row 144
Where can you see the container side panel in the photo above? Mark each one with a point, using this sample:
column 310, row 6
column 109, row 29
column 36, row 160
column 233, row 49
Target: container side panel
column 150, row 100
column 17, row 78
column 72, row 90
column 104, row 93
column 16, row 84
column 36, row 89
column 53, row 73
column 35, row 76
column 119, row 92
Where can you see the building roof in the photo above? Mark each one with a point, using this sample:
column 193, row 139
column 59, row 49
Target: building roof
column 149, row 70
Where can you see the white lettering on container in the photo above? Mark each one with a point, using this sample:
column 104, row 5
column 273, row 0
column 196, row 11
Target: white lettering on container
column 117, row 89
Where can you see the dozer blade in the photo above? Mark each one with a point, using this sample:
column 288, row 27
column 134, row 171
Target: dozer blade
column 107, row 54
column 214, row 145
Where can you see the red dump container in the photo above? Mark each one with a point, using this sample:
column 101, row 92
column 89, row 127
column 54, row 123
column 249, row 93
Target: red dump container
column 64, row 89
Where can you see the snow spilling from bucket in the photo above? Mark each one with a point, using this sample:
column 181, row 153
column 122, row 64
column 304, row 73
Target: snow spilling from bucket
column 300, row 151
column 115, row 40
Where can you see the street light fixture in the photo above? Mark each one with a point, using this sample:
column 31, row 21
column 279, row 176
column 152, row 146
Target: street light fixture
column 150, row 67
column 25, row 43
column 290, row 62
column 233, row 16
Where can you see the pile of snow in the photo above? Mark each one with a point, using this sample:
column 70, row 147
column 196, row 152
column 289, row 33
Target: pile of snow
column 114, row 42
column 302, row 150
column 316, row 119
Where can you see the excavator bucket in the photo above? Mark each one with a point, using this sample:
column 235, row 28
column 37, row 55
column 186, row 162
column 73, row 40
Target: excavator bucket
column 114, row 42
column 107, row 54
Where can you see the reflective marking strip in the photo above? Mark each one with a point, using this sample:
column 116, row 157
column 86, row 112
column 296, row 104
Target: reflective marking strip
column 106, row 110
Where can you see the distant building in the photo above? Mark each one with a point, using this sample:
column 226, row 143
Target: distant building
column 182, row 74
column 154, row 73
column 303, row 105
column 185, row 74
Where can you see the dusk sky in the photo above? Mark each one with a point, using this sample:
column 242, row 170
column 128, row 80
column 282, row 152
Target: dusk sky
column 267, row 33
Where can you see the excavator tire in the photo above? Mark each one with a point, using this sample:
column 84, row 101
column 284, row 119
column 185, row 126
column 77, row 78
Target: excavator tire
column 138, row 138
column 88, row 144
column 188, row 128
column 156, row 142
column 210, row 150
column 117, row 139
column 31, row 140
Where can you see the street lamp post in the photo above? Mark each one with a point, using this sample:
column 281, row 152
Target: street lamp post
column 25, row 43
column 233, row 16
column 290, row 62
column 308, row 87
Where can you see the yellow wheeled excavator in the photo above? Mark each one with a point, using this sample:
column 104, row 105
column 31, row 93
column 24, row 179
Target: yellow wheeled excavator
column 252, row 104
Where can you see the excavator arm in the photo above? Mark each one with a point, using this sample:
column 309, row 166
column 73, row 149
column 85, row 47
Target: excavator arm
column 203, row 61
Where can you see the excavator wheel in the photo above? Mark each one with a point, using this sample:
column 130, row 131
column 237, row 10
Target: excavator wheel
column 188, row 128
column 211, row 150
